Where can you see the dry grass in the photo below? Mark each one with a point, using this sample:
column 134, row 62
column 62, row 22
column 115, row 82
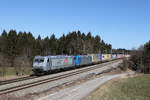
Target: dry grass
column 135, row 88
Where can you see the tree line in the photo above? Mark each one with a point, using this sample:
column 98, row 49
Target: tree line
column 18, row 48
column 140, row 59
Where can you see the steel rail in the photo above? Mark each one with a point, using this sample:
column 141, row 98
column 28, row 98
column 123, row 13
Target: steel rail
column 16, row 80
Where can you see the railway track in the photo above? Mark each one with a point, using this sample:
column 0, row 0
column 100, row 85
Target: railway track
column 39, row 82
column 17, row 80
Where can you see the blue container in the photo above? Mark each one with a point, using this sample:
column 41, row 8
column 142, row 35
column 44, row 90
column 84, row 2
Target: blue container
column 82, row 60
column 77, row 60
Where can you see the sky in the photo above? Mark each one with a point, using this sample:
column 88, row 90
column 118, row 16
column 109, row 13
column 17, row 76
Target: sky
column 122, row 23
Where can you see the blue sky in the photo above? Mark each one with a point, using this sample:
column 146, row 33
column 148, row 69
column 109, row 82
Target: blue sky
column 122, row 23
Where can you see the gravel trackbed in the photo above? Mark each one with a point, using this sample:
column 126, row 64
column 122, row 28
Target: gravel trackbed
column 80, row 91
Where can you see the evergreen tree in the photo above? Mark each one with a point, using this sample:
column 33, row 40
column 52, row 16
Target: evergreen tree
column 11, row 49
column 3, row 42
column 97, row 44
column 53, row 44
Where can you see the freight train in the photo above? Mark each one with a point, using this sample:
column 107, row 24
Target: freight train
column 47, row 64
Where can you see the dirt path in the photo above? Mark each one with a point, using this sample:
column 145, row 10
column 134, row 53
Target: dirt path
column 80, row 91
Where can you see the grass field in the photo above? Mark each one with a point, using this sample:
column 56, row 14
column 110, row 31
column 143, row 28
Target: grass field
column 135, row 88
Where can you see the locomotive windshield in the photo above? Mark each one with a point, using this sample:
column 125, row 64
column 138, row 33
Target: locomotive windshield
column 39, row 60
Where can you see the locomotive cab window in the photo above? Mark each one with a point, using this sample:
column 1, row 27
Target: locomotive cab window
column 36, row 60
column 39, row 60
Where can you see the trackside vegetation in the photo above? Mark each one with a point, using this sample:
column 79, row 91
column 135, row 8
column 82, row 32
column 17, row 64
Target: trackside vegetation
column 135, row 88
column 140, row 59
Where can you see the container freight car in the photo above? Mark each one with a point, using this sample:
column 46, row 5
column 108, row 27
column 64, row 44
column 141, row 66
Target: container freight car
column 114, row 56
column 95, row 57
column 120, row 55
column 106, row 57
